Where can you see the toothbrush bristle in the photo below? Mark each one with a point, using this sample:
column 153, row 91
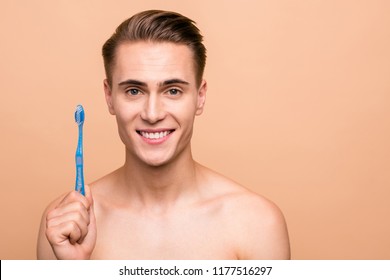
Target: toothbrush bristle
column 79, row 114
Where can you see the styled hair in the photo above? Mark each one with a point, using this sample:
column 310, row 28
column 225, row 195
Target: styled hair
column 157, row 26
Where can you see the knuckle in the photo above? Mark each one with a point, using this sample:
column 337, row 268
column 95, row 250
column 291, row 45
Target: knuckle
column 50, row 233
column 73, row 226
column 80, row 206
column 73, row 195
column 78, row 217
column 49, row 223
column 50, row 215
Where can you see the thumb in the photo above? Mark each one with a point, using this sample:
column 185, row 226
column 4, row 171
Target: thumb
column 90, row 240
column 88, row 194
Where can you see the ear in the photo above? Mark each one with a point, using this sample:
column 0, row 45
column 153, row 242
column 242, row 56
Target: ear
column 108, row 94
column 201, row 97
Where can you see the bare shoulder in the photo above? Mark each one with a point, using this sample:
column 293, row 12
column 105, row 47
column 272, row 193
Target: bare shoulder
column 104, row 191
column 256, row 223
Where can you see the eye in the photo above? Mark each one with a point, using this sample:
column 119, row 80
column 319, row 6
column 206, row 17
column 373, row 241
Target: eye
column 174, row 91
column 133, row 91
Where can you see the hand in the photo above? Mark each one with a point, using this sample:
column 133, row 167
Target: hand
column 71, row 226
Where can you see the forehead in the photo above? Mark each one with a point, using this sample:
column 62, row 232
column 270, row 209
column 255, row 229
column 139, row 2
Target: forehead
column 153, row 62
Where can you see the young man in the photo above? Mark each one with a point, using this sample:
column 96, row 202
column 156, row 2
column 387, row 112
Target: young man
column 161, row 204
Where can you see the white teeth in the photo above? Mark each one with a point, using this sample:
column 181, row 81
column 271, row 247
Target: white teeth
column 155, row 135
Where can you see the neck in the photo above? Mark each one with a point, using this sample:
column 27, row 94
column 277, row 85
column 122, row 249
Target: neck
column 159, row 186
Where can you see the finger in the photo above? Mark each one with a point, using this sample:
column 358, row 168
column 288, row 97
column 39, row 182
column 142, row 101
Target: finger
column 75, row 206
column 88, row 194
column 74, row 196
column 79, row 217
column 65, row 232
column 74, row 212
column 90, row 238
column 70, row 225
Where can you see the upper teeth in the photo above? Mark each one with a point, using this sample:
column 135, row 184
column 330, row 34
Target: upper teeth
column 155, row 135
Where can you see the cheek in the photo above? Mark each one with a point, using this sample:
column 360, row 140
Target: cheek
column 184, row 108
column 183, row 114
column 124, row 119
column 125, row 129
column 122, row 128
column 121, row 115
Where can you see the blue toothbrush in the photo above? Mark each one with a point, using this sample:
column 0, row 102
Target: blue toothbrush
column 79, row 117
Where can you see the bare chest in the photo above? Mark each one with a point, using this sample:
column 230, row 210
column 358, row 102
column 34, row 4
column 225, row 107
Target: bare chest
column 186, row 235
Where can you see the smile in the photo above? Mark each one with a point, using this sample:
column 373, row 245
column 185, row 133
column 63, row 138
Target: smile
column 154, row 135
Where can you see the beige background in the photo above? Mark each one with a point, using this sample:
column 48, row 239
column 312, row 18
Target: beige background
column 297, row 110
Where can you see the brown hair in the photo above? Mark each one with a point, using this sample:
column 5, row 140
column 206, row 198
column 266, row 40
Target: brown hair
column 157, row 26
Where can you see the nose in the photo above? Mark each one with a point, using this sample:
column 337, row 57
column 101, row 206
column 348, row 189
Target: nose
column 153, row 110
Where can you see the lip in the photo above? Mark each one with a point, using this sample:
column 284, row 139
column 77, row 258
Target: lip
column 155, row 141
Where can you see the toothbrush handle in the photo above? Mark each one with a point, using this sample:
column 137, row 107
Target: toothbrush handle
column 79, row 175
column 79, row 164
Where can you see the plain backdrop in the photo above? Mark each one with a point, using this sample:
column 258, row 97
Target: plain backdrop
column 298, row 110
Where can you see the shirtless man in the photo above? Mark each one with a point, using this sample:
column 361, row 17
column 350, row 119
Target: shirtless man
column 160, row 204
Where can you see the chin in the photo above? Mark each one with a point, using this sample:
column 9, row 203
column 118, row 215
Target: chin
column 157, row 161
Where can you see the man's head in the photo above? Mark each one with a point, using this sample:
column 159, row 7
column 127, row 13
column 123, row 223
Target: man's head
column 154, row 86
column 156, row 26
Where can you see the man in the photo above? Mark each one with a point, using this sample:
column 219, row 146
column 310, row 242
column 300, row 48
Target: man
column 161, row 204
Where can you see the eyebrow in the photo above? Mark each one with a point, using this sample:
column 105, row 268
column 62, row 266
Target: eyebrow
column 143, row 84
column 174, row 81
column 132, row 82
